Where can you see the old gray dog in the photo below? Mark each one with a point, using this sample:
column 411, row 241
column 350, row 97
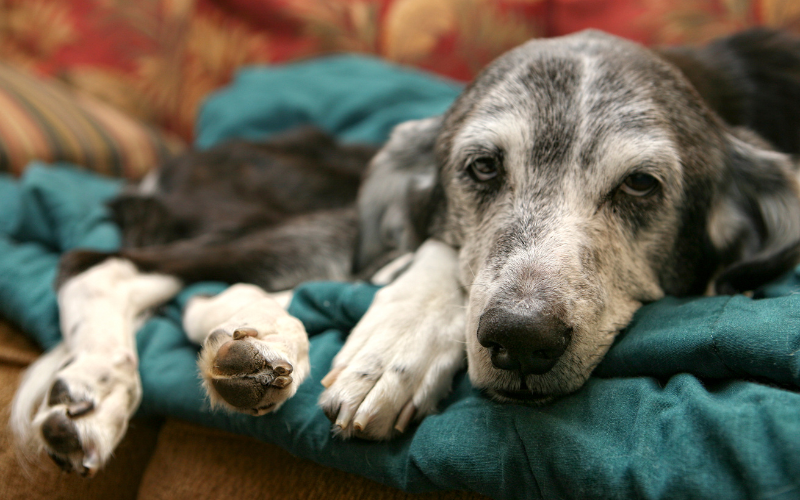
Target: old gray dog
column 576, row 179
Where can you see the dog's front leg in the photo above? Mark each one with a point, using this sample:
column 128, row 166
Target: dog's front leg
column 75, row 402
column 399, row 361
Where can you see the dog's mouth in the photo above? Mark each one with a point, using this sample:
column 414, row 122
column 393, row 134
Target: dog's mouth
column 526, row 397
column 522, row 395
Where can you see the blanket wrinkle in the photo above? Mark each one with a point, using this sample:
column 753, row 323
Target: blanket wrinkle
column 715, row 350
column 533, row 485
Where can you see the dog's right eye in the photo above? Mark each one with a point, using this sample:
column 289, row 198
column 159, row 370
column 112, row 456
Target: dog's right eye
column 639, row 184
column 483, row 169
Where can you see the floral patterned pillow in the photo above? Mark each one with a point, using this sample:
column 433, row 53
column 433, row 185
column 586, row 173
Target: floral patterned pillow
column 158, row 59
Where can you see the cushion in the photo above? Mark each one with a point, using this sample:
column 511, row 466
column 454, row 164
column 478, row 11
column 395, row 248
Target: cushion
column 45, row 120
column 198, row 462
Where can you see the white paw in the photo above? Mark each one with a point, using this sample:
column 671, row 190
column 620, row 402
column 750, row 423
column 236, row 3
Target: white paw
column 397, row 364
column 75, row 402
column 84, row 410
column 256, row 359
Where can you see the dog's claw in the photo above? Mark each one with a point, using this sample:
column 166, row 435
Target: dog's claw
column 406, row 414
column 80, row 408
column 91, row 463
column 282, row 368
column 346, row 412
column 281, row 382
column 330, row 378
column 361, row 422
column 243, row 332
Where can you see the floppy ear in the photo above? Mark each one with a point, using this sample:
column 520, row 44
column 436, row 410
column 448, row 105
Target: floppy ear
column 398, row 196
column 755, row 223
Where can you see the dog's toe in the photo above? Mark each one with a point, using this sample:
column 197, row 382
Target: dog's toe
column 65, row 447
column 59, row 393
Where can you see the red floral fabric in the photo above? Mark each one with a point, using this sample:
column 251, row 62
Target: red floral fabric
column 158, row 59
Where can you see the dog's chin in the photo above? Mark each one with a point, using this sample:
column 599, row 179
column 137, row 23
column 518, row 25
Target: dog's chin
column 513, row 388
column 519, row 397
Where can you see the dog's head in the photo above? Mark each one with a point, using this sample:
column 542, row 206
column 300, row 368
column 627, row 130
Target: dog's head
column 582, row 177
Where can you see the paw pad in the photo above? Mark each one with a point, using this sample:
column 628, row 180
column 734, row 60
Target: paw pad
column 61, row 434
column 237, row 357
column 240, row 392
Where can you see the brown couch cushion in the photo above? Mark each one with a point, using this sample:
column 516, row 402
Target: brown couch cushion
column 44, row 120
column 243, row 468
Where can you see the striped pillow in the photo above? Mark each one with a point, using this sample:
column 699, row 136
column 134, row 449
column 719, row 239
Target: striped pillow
column 45, row 120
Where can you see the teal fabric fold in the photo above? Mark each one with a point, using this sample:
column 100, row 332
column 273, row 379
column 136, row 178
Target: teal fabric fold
column 698, row 398
column 356, row 98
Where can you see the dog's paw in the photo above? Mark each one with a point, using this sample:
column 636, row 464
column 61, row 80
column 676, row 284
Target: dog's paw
column 86, row 410
column 397, row 364
column 256, row 360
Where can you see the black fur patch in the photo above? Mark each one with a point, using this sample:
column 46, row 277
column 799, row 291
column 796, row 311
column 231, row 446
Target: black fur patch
column 753, row 273
column 750, row 79
column 272, row 213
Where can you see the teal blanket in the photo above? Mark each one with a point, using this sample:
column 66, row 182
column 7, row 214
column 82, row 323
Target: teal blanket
column 697, row 398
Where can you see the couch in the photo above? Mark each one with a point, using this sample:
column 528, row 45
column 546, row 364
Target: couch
column 140, row 93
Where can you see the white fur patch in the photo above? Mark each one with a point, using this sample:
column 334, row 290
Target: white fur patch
column 97, row 363
column 399, row 361
column 275, row 336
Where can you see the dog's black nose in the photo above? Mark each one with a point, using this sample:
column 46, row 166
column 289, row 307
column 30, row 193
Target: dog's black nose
column 521, row 341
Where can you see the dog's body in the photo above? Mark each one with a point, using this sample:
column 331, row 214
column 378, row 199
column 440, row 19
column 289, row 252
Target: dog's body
column 574, row 180
column 270, row 214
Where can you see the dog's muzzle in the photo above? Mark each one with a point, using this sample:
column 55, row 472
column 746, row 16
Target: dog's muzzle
column 528, row 342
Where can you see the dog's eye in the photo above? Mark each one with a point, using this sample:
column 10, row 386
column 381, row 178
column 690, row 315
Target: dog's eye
column 639, row 184
column 483, row 169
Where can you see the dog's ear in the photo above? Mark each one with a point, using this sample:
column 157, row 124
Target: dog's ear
column 755, row 222
column 398, row 196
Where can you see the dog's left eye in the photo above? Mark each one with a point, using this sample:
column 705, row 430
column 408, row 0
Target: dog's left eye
column 483, row 169
column 639, row 184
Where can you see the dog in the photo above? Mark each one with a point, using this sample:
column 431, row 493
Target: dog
column 574, row 180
